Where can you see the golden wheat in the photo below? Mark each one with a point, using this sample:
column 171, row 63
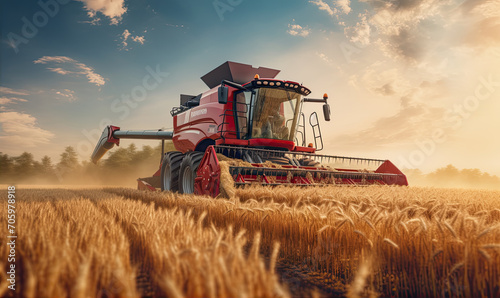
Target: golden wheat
column 390, row 241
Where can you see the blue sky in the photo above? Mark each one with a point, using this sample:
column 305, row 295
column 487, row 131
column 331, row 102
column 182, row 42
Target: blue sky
column 394, row 70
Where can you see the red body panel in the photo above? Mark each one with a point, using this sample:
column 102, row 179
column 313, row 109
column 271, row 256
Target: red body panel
column 207, row 181
column 112, row 139
column 236, row 142
column 142, row 185
column 202, row 122
column 389, row 167
column 198, row 123
column 304, row 149
column 289, row 145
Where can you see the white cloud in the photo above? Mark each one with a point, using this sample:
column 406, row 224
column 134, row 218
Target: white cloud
column 484, row 30
column 61, row 71
column 359, row 34
column 125, row 37
column 297, row 30
column 410, row 30
column 115, row 21
column 20, row 129
column 396, row 27
column 6, row 90
column 139, row 39
column 325, row 58
column 344, row 5
column 113, row 9
column 94, row 20
column 93, row 77
column 406, row 67
column 68, row 66
column 415, row 118
column 66, row 94
column 8, row 100
column 323, row 6
column 54, row 59
column 379, row 79
column 399, row 128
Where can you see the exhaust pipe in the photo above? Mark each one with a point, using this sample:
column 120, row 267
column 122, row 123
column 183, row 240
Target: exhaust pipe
column 112, row 134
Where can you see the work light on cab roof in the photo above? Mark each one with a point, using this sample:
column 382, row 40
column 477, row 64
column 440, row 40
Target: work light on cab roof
column 254, row 123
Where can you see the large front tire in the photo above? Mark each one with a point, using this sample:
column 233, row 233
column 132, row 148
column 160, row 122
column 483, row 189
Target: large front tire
column 188, row 170
column 170, row 171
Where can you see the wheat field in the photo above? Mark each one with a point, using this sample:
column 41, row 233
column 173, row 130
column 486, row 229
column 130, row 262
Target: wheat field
column 262, row 242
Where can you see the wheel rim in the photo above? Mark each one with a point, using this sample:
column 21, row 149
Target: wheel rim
column 167, row 177
column 187, row 180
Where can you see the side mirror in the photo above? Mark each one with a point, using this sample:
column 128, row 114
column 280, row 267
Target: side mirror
column 326, row 111
column 223, row 92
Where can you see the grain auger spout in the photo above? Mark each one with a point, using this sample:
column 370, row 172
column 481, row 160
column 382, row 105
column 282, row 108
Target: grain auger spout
column 249, row 127
column 112, row 134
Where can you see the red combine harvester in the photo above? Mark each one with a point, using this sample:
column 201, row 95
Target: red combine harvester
column 248, row 116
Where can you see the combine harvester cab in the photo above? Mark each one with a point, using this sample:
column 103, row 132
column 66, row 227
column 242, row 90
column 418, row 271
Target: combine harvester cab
column 252, row 130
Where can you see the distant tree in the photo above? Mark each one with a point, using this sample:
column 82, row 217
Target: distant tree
column 38, row 170
column 47, row 170
column 471, row 177
column 69, row 158
column 118, row 159
column 6, row 166
column 132, row 149
column 444, row 177
column 24, row 166
column 448, row 171
column 450, row 176
column 146, row 153
column 68, row 165
column 47, row 166
column 491, row 180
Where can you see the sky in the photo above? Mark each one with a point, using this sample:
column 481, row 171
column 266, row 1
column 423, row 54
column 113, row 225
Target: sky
column 413, row 81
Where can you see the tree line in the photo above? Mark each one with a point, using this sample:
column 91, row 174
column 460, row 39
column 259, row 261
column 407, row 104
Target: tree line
column 451, row 176
column 122, row 164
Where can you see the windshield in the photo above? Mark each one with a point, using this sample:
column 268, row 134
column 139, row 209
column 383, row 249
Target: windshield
column 274, row 114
